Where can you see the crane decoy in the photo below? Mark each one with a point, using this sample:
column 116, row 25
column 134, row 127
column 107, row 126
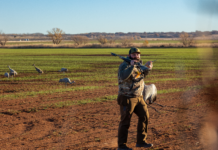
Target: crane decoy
column 7, row 74
column 66, row 80
column 12, row 72
column 63, row 70
column 38, row 69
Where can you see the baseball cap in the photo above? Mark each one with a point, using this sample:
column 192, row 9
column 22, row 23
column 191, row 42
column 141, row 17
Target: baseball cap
column 134, row 50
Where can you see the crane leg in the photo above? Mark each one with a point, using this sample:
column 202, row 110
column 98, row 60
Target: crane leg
column 153, row 108
column 159, row 104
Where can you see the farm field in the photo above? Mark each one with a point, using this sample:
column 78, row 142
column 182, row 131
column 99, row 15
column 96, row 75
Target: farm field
column 38, row 112
column 156, row 41
column 68, row 42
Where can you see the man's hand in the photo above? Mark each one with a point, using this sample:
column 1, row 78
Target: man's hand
column 133, row 62
column 149, row 64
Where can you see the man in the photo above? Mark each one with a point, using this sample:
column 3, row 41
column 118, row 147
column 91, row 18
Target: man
column 130, row 99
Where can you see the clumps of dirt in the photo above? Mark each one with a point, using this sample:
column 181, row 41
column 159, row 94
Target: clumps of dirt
column 92, row 126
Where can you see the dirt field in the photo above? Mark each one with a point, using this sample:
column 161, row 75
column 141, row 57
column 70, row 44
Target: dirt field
column 94, row 126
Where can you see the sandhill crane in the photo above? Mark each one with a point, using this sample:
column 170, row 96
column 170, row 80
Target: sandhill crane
column 38, row 69
column 12, row 72
column 66, row 80
column 149, row 93
column 63, row 70
column 7, row 74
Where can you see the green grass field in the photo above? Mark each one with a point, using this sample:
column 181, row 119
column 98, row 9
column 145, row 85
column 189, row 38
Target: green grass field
column 92, row 66
column 51, row 60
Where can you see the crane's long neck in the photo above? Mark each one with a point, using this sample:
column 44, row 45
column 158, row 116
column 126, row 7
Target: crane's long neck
column 35, row 67
column 71, row 82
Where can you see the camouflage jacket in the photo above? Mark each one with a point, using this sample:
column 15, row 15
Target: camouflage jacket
column 130, row 80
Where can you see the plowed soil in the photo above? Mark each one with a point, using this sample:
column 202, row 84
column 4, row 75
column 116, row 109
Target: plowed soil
column 94, row 126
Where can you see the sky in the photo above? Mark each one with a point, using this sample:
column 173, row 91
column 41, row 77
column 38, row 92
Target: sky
column 110, row 16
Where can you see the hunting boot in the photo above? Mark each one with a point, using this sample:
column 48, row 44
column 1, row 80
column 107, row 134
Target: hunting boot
column 145, row 145
column 124, row 148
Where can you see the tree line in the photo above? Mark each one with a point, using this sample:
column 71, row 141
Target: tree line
column 57, row 35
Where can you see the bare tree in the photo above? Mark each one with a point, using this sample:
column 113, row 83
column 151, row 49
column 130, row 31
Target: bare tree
column 127, row 41
column 111, row 39
column 102, row 39
column 186, row 39
column 78, row 39
column 3, row 39
column 56, row 35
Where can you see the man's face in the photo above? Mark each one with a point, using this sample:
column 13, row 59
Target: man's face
column 135, row 56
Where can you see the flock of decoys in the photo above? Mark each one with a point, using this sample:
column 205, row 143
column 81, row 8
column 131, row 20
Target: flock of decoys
column 13, row 73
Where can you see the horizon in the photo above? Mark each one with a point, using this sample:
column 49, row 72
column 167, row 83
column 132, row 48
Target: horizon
column 80, row 17
column 116, row 32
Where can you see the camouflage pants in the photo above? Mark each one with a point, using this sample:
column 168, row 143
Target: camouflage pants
column 127, row 107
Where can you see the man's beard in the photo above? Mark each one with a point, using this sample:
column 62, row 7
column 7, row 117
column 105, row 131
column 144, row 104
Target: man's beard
column 134, row 58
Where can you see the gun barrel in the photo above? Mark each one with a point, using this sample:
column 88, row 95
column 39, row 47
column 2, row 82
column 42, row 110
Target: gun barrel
column 126, row 59
column 121, row 57
column 113, row 54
